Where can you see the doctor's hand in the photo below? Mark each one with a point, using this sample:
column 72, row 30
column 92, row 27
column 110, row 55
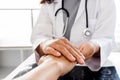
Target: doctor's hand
column 62, row 47
column 89, row 49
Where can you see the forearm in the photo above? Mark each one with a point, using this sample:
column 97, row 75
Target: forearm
column 43, row 72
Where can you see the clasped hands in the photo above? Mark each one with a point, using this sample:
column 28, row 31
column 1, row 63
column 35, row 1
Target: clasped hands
column 62, row 47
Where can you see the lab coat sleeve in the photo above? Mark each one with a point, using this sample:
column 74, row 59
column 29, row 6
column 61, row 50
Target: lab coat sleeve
column 104, row 33
column 42, row 28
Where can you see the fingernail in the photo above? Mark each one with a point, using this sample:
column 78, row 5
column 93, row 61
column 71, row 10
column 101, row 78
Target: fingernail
column 82, row 61
column 72, row 58
column 58, row 54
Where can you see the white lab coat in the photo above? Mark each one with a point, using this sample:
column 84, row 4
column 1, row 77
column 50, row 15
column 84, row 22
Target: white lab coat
column 102, row 17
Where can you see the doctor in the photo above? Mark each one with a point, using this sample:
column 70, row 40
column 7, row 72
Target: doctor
column 81, row 31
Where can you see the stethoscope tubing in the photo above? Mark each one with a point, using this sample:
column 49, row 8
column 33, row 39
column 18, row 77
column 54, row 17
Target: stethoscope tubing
column 86, row 10
column 62, row 8
column 87, row 32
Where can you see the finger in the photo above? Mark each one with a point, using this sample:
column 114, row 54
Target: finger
column 79, row 57
column 81, row 48
column 78, row 53
column 63, row 51
column 52, row 51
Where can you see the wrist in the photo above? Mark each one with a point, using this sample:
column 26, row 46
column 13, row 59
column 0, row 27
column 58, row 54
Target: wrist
column 55, row 68
column 41, row 46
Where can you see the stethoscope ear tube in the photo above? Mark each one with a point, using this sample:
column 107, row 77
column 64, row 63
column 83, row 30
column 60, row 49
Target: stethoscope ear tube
column 63, row 9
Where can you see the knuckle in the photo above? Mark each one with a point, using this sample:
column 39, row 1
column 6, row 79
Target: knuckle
column 69, row 55
column 62, row 48
column 64, row 39
column 69, row 47
column 60, row 41
column 55, row 42
column 52, row 44
column 48, row 50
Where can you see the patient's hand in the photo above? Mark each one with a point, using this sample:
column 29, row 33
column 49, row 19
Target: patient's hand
column 64, row 65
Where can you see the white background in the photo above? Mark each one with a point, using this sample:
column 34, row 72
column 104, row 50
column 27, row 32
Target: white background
column 19, row 4
column 17, row 18
column 16, row 22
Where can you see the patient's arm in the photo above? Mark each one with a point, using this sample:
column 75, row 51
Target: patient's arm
column 50, row 68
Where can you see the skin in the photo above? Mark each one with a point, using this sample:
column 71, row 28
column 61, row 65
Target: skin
column 62, row 47
column 53, row 67
column 89, row 49
column 50, row 67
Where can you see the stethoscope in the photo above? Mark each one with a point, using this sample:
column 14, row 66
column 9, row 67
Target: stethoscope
column 86, row 32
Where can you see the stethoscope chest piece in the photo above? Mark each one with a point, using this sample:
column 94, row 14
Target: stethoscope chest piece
column 87, row 33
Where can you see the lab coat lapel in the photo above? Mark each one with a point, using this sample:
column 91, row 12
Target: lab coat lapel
column 80, row 10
